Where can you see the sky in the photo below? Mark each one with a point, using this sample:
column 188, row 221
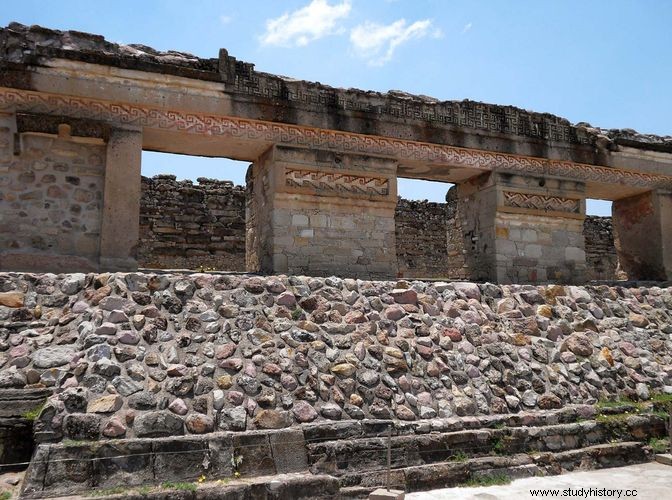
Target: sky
column 606, row 62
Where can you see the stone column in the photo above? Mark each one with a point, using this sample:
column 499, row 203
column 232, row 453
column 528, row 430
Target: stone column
column 321, row 213
column 643, row 235
column 121, row 201
column 520, row 229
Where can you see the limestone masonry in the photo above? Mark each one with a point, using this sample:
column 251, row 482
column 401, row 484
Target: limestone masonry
column 76, row 112
column 202, row 226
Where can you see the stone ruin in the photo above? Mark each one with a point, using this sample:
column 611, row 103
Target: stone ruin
column 77, row 111
column 186, row 225
column 290, row 379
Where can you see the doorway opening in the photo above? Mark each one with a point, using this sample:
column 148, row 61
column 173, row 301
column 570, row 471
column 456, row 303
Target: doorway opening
column 601, row 257
column 192, row 213
column 428, row 236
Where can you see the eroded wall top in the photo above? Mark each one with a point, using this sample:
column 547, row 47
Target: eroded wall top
column 314, row 104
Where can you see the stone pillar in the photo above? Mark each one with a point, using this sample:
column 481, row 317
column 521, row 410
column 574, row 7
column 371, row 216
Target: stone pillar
column 321, row 213
column 121, row 201
column 520, row 229
column 643, row 235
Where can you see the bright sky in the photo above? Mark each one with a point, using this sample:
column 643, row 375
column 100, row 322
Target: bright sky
column 605, row 62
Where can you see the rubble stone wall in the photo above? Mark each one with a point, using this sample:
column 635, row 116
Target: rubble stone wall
column 601, row 256
column 190, row 226
column 51, row 204
column 149, row 355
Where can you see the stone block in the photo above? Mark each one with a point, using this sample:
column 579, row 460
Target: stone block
column 575, row 254
column 507, row 247
column 179, row 459
column 532, row 251
column 385, row 494
column 289, row 450
column 319, row 220
column 529, row 235
column 299, row 220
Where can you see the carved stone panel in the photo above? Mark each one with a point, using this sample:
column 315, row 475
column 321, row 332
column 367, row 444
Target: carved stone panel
column 542, row 202
column 337, row 183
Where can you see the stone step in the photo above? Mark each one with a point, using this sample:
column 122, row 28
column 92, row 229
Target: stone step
column 326, row 431
column 282, row 486
column 339, row 457
column 453, row 474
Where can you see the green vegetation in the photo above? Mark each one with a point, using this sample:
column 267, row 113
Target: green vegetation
column 296, row 314
column 236, row 461
column 616, row 424
column 503, row 445
column 618, row 403
column 34, row 413
column 657, row 403
column 499, row 447
column 5, row 495
column 144, row 490
column 496, row 479
column 179, row 486
column 664, row 399
column 659, row 445
column 460, row 456
column 117, row 490
column 72, row 442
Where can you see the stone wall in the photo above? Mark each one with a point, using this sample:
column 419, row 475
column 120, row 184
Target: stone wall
column 429, row 240
column 147, row 355
column 601, row 257
column 190, row 226
column 202, row 225
column 313, row 216
column 51, row 197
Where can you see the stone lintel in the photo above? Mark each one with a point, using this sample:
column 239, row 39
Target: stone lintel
column 121, row 201
column 49, row 124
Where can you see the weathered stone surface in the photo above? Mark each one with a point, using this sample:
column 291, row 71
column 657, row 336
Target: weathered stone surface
column 272, row 419
column 463, row 359
column 49, row 357
column 579, row 344
column 158, row 423
column 304, row 412
column 414, row 221
column 11, row 299
column 105, row 404
column 199, row 424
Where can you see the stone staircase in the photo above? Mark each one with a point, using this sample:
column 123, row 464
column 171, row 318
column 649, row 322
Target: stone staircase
column 446, row 453
column 348, row 459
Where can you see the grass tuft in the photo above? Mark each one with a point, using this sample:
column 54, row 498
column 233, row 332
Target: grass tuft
column 659, row 445
column 179, row 486
column 32, row 415
column 460, row 456
column 495, row 479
